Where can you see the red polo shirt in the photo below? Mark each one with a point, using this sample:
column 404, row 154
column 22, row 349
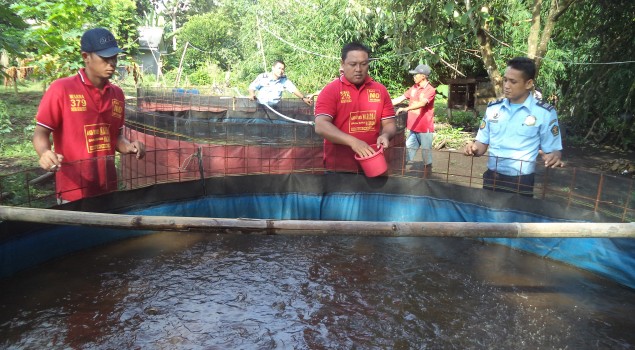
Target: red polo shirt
column 422, row 119
column 85, row 123
column 357, row 112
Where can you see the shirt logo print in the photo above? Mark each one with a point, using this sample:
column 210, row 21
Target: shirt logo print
column 345, row 97
column 117, row 109
column 373, row 95
column 77, row 103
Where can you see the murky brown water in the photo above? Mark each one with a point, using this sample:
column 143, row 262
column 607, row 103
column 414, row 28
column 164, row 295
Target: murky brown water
column 203, row 291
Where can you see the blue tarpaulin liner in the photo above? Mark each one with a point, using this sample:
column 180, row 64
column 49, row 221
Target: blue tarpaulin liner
column 341, row 197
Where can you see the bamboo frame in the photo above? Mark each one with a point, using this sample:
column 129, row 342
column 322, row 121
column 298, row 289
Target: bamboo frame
column 320, row 228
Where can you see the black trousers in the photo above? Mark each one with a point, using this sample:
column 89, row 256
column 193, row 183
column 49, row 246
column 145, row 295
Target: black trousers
column 523, row 184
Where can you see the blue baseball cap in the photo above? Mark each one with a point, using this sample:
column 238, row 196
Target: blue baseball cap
column 100, row 41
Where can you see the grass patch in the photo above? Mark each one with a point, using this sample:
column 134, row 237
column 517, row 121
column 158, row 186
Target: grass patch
column 17, row 118
column 452, row 133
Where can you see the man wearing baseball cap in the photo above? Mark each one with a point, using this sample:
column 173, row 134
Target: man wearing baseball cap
column 85, row 113
column 420, row 122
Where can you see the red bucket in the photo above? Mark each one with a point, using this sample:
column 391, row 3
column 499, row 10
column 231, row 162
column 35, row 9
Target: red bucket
column 375, row 164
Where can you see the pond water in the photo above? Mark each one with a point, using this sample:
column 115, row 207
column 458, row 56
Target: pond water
column 208, row 291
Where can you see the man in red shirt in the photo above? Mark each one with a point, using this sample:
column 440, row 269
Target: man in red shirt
column 85, row 113
column 353, row 112
column 420, row 110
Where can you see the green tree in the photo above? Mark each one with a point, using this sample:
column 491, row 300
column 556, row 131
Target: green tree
column 11, row 38
column 459, row 38
column 247, row 36
column 307, row 38
column 213, row 37
column 11, row 30
column 175, row 11
column 597, row 87
column 53, row 38
column 537, row 23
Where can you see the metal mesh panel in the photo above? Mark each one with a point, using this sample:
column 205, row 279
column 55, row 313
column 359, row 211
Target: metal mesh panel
column 193, row 136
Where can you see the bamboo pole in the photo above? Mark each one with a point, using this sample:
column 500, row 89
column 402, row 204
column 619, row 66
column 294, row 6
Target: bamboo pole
column 46, row 176
column 178, row 75
column 261, row 44
column 320, row 228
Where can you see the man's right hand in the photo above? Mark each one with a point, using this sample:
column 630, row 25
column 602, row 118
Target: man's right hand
column 471, row 149
column 252, row 97
column 51, row 161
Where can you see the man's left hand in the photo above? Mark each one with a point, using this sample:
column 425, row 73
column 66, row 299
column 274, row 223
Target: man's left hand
column 137, row 147
column 552, row 160
column 383, row 141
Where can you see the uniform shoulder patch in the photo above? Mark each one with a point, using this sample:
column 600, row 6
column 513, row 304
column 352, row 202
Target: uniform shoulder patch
column 500, row 100
column 544, row 105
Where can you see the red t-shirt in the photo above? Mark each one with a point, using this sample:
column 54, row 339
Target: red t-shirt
column 357, row 112
column 422, row 119
column 85, row 123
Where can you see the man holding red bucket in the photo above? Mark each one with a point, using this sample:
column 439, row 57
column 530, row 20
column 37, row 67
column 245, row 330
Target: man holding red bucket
column 354, row 114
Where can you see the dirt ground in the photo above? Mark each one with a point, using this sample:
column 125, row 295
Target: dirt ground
column 596, row 159
column 600, row 159
column 11, row 165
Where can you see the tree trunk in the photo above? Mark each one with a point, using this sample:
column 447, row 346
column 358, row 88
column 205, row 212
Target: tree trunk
column 174, row 28
column 487, row 53
column 556, row 10
column 534, row 32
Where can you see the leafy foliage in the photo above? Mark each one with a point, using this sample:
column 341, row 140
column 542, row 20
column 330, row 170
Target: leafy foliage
column 592, row 91
column 213, row 37
column 307, row 38
column 238, row 39
column 5, row 120
column 17, row 124
column 11, row 30
column 450, row 137
column 58, row 25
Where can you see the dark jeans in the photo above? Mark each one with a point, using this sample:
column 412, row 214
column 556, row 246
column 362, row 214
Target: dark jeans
column 523, row 184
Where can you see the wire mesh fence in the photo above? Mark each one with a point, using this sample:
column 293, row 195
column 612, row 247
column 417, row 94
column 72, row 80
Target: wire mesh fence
column 190, row 137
